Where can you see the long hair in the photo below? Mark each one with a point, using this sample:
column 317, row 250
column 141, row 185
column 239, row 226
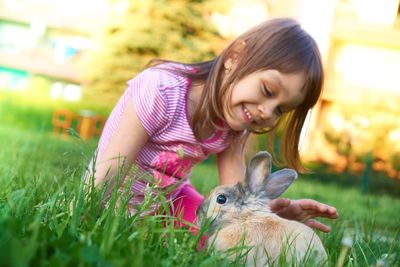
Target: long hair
column 279, row 44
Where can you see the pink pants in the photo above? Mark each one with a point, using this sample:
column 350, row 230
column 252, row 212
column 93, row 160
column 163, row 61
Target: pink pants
column 185, row 205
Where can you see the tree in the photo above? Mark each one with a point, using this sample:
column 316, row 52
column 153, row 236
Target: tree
column 176, row 30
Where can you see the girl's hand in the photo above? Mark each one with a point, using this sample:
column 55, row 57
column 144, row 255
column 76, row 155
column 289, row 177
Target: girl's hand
column 304, row 210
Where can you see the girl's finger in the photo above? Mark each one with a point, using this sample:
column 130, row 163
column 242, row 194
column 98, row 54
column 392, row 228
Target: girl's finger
column 317, row 225
column 309, row 204
column 311, row 215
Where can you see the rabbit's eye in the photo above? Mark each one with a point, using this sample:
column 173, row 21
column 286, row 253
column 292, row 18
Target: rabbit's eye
column 221, row 199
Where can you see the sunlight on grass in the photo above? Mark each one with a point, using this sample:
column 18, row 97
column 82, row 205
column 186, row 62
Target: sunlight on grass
column 47, row 216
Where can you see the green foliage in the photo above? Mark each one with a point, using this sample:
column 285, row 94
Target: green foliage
column 39, row 86
column 48, row 218
column 174, row 30
column 25, row 116
column 35, row 114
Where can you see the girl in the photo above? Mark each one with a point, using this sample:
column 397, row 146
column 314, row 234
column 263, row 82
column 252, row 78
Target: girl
column 174, row 115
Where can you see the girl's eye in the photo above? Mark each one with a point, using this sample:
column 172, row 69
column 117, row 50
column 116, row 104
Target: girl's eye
column 280, row 111
column 221, row 199
column 267, row 91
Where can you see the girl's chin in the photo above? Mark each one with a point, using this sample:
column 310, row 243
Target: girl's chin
column 237, row 126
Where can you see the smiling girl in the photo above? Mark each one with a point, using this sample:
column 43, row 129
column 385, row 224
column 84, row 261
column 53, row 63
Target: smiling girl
column 174, row 115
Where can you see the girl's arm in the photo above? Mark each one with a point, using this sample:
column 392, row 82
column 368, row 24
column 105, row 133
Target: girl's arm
column 123, row 147
column 231, row 164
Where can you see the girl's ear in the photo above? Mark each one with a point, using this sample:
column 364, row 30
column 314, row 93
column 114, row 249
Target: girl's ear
column 236, row 52
column 228, row 64
column 258, row 169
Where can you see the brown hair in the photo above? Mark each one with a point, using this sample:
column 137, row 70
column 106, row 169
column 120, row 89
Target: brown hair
column 279, row 44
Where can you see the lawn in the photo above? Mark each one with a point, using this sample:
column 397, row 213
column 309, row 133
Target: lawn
column 47, row 218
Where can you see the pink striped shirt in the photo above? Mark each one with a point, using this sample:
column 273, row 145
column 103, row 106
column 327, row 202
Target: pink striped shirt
column 160, row 101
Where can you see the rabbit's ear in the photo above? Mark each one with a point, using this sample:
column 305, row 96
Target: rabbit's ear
column 258, row 170
column 278, row 182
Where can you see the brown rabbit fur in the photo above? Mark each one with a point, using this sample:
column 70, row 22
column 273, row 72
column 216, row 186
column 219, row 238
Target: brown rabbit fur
column 240, row 213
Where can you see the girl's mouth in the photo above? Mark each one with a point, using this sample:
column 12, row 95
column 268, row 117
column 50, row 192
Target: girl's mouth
column 248, row 118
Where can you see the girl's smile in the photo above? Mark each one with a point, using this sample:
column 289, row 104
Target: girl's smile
column 247, row 117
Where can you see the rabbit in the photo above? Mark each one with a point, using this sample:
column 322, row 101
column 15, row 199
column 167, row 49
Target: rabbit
column 240, row 213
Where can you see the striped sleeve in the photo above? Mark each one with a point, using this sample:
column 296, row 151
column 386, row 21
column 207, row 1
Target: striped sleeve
column 149, row 101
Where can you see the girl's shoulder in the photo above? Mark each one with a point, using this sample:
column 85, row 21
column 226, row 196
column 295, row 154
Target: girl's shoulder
column 162, row 77
column 168, row 70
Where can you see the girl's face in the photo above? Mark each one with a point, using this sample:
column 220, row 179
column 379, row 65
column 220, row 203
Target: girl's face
column 260, row 98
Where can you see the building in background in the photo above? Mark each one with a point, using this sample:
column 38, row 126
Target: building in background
column 41, row 42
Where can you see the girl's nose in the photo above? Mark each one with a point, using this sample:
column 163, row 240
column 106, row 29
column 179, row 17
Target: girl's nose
column 265, row 112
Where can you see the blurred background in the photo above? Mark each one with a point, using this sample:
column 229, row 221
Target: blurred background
column 64, row 64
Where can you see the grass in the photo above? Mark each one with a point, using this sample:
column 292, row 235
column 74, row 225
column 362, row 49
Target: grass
column 48, row 219
column 28, row 111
